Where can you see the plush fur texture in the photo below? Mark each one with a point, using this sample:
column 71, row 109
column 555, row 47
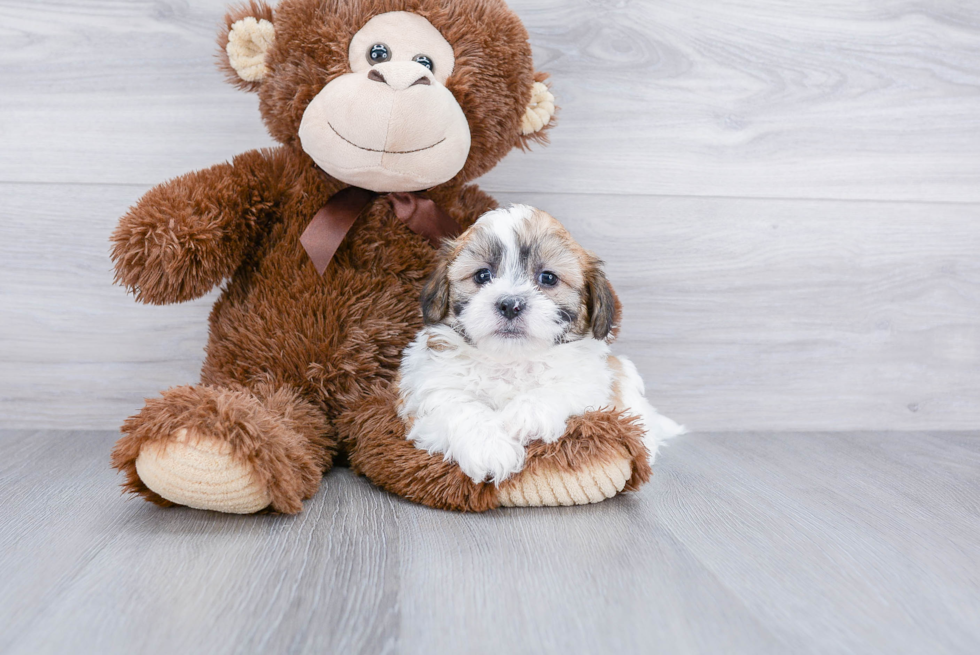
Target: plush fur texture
column 285, row 438
column 295, row 360
column 384, row 455
column 522, row 345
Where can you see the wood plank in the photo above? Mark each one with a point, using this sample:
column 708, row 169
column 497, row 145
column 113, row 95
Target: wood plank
column 74, row 349
column 47, row 480
column 601, row 579
column 825, row 538
column 741, row 314
column 750, row 98
column 117, row 92
column 759, row 98
column 124, row 576
column 741, row 543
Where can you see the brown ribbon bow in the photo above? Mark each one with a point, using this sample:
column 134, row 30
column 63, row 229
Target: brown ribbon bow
column 331, row 224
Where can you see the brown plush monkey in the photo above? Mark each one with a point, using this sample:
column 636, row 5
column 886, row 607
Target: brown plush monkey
column 367, row 97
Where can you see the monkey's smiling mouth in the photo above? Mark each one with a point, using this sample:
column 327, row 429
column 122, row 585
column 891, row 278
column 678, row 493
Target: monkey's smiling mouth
column 387, row 152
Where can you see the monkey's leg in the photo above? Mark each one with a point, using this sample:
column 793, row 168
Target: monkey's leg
column 601, row 455
column 232, row 450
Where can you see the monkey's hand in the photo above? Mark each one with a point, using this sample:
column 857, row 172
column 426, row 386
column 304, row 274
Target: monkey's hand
column 185, row 236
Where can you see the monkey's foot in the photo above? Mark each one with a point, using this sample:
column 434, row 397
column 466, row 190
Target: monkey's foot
column 200, row 472
column 553, row 487
column 227, row 450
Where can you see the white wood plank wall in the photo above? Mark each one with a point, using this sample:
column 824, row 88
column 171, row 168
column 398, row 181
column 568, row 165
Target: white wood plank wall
column 787, row 193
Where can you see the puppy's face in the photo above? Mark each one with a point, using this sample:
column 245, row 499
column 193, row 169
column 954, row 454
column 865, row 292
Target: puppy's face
column 516, row 282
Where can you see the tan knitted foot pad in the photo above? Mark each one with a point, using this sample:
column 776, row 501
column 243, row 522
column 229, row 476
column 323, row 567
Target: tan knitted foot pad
column 554, row 488
column 202, row 474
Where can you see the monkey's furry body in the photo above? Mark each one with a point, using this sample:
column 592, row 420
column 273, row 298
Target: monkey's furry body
column 386, row 95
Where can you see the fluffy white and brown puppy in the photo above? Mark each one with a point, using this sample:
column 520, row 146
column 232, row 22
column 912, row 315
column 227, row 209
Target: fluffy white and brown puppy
column 518, row 321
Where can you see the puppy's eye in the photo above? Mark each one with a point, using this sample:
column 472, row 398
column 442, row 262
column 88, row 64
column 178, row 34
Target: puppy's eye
column 378, row 54
column 483, row 276
column 547, row 279
column 425, row 61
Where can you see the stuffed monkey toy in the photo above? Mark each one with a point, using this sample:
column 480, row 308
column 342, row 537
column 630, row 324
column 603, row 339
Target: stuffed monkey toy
column 385, row 112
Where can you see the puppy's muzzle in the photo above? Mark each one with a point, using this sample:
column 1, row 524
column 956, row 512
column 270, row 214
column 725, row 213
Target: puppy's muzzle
column 510, row 307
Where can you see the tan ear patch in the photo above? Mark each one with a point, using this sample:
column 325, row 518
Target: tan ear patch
column 539, row 111
column 248, row 43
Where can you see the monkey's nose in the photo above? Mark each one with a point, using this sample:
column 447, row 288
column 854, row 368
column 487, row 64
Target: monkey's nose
column 510, row 307
column 400, row 75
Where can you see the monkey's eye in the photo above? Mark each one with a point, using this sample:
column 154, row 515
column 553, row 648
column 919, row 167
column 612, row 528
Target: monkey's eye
column 548, row 279
column 483, row 276
column 379, row 53
column 425, row 61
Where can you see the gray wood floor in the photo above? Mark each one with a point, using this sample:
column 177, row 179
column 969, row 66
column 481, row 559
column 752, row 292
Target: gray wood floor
column 742, row 543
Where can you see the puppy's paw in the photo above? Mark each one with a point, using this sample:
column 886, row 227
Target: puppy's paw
column 527, row 418
column 487, row 453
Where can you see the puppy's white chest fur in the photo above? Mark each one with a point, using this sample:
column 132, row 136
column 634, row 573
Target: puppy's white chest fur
column 481, row 411
column 576, row 370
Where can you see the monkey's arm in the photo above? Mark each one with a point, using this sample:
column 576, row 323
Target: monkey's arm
column 185, row 236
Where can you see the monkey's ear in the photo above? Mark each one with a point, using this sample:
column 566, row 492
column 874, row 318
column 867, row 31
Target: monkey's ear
column 435, row 294
column 539, row 115
column 245, row 44
column 602, row 303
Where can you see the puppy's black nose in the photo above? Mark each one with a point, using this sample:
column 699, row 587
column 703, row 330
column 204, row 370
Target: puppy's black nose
column 510, row 307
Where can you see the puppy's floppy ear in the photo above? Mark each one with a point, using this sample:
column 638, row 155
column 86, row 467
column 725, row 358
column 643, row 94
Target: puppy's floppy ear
column 245, row 43
column 601, row 302
column 539, row 116
column 435, row 293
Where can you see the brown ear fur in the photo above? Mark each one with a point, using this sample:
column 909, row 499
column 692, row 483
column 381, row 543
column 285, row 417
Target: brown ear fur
column 525, row 141
column 602, row 303
column 435, row 294
column 258, row 10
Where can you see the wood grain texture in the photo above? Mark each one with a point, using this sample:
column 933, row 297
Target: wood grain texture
column 742, row 543
column 67, row 352
column 759, row 98
column 183, row 581
column 741, row 314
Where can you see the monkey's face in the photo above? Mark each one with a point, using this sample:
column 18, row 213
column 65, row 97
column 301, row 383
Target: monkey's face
column 391, row 95
column 390, row 124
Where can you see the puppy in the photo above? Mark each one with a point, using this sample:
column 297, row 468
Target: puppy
column 518, row 321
